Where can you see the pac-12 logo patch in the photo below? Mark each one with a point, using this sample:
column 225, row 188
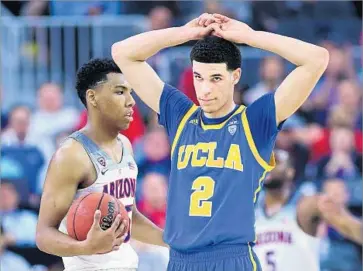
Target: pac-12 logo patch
column 102, row 161
column 232, row 129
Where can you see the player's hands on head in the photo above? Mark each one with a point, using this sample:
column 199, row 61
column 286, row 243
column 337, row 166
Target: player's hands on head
column 200, row 27
column 101, row 241
column 230, row 29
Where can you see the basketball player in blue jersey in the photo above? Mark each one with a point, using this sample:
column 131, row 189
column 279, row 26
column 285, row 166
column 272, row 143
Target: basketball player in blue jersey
column 220, row 151
column 95, row 159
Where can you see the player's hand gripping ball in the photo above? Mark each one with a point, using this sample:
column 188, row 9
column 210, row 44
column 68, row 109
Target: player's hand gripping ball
column 81, row 214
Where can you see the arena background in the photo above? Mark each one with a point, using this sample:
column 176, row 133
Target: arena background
column 43, row 43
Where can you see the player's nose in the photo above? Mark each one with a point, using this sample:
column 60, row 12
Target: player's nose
column 130, row 102
column 205, row 89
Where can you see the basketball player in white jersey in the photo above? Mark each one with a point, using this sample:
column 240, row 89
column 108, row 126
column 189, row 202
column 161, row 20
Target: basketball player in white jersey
column 95, row 159
column 286, row 223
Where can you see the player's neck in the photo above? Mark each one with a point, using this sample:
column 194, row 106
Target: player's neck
column 100, row 132
column 223, row 111
column 277, row 197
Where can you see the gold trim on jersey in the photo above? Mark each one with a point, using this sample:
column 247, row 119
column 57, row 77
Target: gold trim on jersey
column 258, row 189
column 181, row 127
column 267, row 166
column 220, row 125
column 254, row 264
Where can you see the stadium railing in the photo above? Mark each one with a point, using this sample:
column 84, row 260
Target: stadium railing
column 35, row 50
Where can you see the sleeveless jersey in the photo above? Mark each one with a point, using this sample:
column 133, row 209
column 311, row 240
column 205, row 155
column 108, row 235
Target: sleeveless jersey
column 281, row 244
column 118, row 180
column 216, row 173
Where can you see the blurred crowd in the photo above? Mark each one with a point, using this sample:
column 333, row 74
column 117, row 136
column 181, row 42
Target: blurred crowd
column 324, row 136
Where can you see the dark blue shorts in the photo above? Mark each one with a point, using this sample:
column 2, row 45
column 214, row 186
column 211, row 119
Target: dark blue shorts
column 217, row 258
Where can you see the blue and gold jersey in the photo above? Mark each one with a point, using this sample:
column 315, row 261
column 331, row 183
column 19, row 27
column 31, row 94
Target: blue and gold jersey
column 216, row 175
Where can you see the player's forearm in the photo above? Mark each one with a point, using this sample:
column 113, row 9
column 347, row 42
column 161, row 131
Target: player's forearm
column 145, row 231
column 54, row 242
column 296, row 51
column 348, row 226
column 145, row 45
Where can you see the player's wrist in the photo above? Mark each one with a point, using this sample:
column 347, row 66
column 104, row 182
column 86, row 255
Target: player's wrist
column 252, row 38
column 86, row 248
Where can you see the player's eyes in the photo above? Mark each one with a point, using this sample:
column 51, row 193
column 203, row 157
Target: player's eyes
column 119, row 92
column 197, row 77
column 216, row 79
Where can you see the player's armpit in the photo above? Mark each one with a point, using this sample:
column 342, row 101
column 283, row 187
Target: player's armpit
column 298, row 85
column 308, row 214
column 144, row 230
column 142, row 78
column 63, row 177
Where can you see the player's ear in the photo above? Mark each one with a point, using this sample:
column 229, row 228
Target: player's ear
column 236, row 75
column 91, row 97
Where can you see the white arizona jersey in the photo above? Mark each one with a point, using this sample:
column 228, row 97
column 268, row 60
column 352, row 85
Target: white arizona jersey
column 118, row 180
column 281, row 244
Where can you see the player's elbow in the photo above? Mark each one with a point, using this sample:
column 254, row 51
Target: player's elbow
column 320, row 59
column 120, row 53
column 40, row 241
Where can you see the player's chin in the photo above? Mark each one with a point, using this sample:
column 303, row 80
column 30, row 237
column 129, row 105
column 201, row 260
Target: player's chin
column 208, row 108
column 124, row 125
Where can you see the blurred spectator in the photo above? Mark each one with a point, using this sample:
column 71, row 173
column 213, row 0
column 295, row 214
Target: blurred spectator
column 19, row 225
column 272, row 72
column 152, row 204
column 16, row 133
column 50, row 119
column 319, row 138
column 20, row 146
column 325, row 93
column 341, row 163
column 152, row 154
column 10, row 261
column 343, row 255
column 153, row 200
column 160, row 17
column 134, row 132
column 265, row 14
column 350, row 98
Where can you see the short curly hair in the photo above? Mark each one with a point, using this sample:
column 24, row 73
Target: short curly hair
column 213, row 49
column 91, row 73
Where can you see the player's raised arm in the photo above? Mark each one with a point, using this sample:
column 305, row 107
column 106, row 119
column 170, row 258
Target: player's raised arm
column 340, row 219
column 131, row 55
column 311, row 62
column 66, row 171
column 308, row 214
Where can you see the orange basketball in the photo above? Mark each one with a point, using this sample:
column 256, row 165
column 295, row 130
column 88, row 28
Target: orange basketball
column 81, row 214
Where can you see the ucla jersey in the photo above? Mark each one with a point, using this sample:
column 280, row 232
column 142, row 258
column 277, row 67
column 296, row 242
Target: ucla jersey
column 281, row 244
column 215, row 179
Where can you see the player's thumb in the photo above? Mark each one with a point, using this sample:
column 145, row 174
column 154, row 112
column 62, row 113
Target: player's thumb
column 216, row 30
column 96, row 219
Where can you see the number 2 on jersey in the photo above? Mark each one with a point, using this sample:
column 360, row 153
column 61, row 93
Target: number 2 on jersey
column 200, row 205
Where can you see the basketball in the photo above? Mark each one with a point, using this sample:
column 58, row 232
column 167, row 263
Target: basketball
column 81, row 214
